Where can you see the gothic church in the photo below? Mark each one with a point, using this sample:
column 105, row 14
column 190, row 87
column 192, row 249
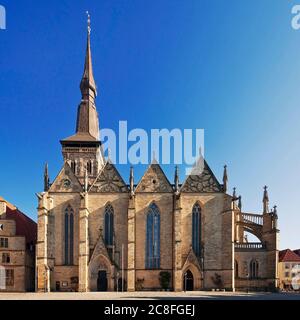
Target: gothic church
column 98, row 233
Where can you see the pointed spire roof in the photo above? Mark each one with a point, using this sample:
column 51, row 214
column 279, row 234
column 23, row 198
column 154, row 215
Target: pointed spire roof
column 87, row 126
column 88, row 81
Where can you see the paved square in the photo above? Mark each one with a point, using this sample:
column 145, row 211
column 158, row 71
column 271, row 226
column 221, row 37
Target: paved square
column 195, row 295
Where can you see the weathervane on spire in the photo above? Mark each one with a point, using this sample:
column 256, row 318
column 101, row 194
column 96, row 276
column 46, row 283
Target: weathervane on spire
column 89, row 22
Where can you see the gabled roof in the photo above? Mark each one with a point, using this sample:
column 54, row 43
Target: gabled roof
column 66, row 173
column 24, row 225
column 154, row 180
column 288, row 255
column 201, row 179
column 297, row 251
column 109, row 180
column 8, row 204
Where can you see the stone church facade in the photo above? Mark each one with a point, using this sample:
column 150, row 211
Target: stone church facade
column 98, row 233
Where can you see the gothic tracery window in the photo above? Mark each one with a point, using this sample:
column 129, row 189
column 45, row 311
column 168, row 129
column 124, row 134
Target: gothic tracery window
column 196, row 230
column 153, row 238
column 69, row 235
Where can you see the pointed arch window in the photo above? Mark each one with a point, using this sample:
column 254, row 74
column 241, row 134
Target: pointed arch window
column 69, row 235
column 196, row 229
column 254, row 269
column 109, row 225
column 153, row 238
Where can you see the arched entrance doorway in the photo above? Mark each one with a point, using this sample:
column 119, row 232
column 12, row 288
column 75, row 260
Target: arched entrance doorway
column 188, row 281
column 102, row 281
column 101, row 274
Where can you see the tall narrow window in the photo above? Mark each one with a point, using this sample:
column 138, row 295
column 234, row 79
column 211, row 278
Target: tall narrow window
column 236, row 269
column 89, row 167
column 196, row 230
column 69, row 236
column 10, row 277
column 73, row 166
column 153, row 238
column 253, row 269
column 109, row 229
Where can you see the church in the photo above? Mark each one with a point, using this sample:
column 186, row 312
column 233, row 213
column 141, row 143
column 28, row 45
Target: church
column 98, row 232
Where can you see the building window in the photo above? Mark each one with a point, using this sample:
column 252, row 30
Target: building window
column 9, row 274
column 253, row 269
column 196, row 230
column 236, row 269
column 73, row 166
column 153, row 238
column 5, row 258
column 3, row 242
column 89, row 167
column 287, row 274
column 287, row 265
column 69, row 235
column 109, row 228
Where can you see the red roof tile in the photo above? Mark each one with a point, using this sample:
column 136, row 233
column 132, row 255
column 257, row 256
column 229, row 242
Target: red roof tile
column 288, row 255
column 297, row 252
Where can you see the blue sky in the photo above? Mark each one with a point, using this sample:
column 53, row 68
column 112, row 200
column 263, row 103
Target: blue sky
column 230, row 67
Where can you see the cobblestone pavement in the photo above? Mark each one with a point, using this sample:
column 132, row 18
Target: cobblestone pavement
column 195, row 295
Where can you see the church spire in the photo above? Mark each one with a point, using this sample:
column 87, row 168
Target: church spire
column 87, row 116
column 84, row 147
column 88, row 85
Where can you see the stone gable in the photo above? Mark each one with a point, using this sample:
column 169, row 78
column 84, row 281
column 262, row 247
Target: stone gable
column 203, row 182
column 154, row 180
column 66, row 181
column 109, row 180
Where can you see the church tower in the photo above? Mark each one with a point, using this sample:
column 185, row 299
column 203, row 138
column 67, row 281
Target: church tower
column 83, row 150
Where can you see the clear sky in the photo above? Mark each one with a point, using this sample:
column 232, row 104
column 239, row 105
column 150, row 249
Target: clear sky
column 230, row 67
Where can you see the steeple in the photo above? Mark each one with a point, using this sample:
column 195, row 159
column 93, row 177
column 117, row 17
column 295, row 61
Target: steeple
column 88, row 85
column 266, row 200
column 87, row 127
column 84, row 147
